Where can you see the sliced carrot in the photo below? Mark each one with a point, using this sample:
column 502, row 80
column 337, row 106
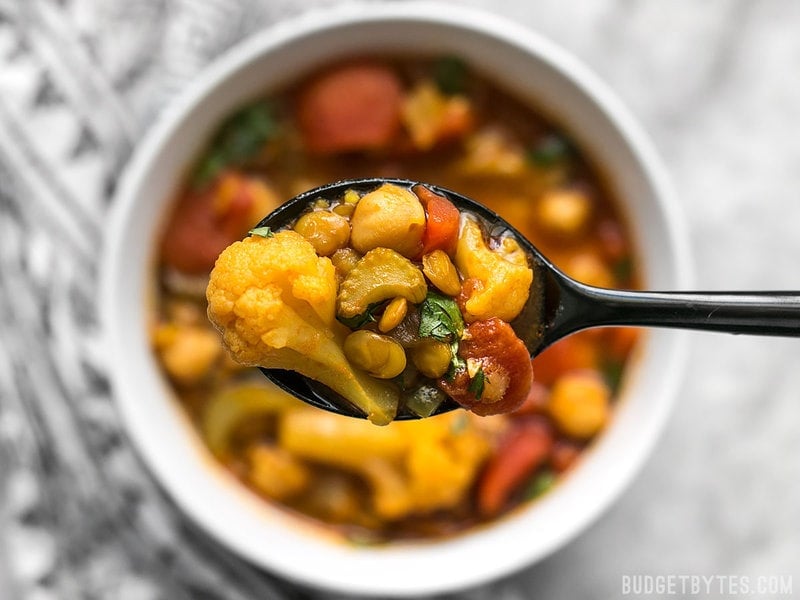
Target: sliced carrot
column 578, row 351
column 506, row 367
column 621, row 340
column 441, row 228
column 351, row 107
column 524, row 447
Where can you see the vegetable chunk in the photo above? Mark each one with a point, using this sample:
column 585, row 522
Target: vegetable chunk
column 498, row 374
column 503, row 275
column 274, row 300
column 351, row 107
column 380, row 275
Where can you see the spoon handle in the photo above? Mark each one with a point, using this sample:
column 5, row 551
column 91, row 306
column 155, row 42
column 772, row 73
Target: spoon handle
column 759, row 313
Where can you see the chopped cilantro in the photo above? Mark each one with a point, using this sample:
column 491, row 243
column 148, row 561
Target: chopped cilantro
column 456, row 362
column 623, row 269
column 542, row 482
column 368, row 316
column 450, row 74
column 262, row 231
column 612, row 373
column 477, row 383
column 440, row 318
column 549, row 151
column 238, row 140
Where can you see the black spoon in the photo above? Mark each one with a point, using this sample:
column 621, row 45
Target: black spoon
column 558, row 305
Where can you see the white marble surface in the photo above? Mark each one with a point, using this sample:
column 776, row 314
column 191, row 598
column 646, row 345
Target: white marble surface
column 717, row 86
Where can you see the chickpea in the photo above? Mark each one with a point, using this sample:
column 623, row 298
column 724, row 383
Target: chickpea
column 351, row 197
column 564, row 212
column 432, row 358
column 344, row 210
column 389, row 217
column 441, row 272
column 394, row 313
column 188, row 353
column 344, row 259
column 589, row 269
column 579, row 403
column 327, row 231
column 378, row 355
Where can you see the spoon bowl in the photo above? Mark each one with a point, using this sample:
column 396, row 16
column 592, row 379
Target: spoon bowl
column 557, row 304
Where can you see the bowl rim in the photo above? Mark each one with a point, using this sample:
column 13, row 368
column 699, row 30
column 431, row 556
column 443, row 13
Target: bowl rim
column 309, row 23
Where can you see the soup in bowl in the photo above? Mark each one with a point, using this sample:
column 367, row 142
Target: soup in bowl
column 340, row 502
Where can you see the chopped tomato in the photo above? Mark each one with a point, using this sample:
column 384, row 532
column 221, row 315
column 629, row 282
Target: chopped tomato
column 522, row 450
column 441, row 227
column 351, row 107
column 206, row 222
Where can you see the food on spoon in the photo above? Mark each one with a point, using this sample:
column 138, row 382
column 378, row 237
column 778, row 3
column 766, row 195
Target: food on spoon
column 435, row 477
column 501, row 278
column 276, row 298
column 382, row 274
column 390, row 217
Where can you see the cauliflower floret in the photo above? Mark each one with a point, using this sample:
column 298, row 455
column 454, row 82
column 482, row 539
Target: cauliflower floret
column 503, row 275
column 274, row 300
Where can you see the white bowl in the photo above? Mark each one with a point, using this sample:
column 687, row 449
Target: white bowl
column 522, row 62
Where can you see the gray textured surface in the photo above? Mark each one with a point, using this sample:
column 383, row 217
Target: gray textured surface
column 717, row 86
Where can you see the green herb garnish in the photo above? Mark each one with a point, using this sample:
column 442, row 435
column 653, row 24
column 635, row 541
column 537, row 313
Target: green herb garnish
column 456, row 362
column 368, row 316
column 551, row 150
column 440, row 318
column 623, row 269
column 239, row 139
column 477, row 383
column 542, row 482
column 612, row 373
column 450, row 74
column 262, row 231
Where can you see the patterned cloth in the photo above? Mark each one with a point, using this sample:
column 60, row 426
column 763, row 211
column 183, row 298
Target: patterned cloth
column 80, row 80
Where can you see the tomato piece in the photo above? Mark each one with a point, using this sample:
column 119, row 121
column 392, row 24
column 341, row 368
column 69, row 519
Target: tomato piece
column 522, row 450
column 506, row 367
column 204, row 223
column 349, row 108
column 441, row 227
